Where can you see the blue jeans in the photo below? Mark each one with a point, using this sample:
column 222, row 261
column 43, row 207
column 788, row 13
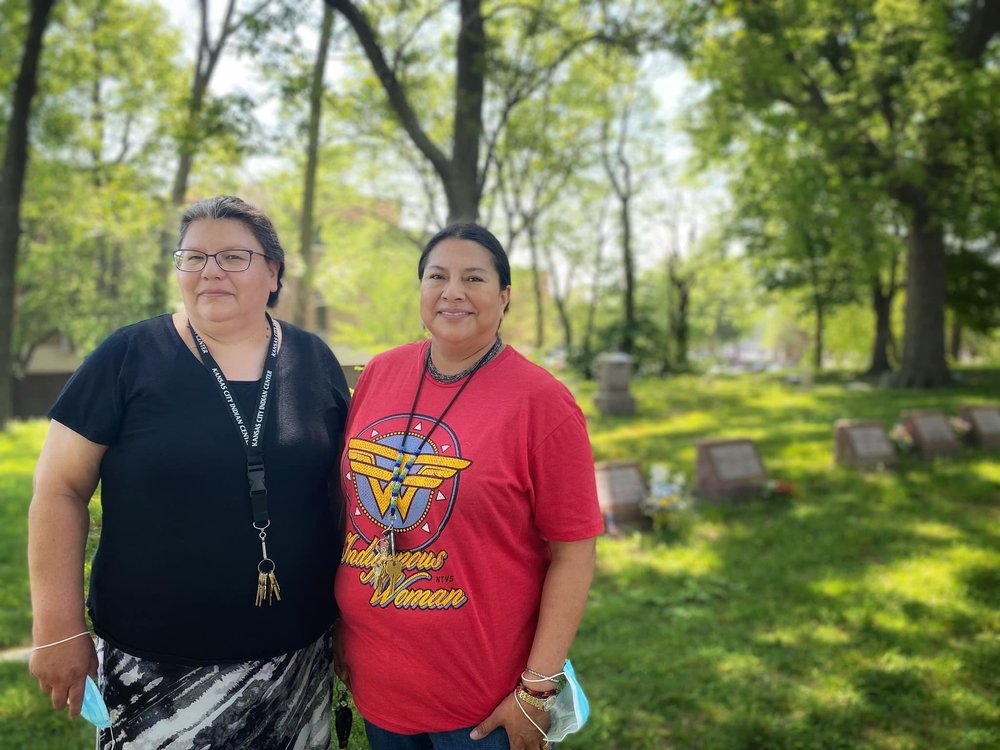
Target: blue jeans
column 458, row 739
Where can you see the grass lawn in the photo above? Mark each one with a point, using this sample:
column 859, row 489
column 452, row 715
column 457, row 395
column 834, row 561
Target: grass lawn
column 864, row 612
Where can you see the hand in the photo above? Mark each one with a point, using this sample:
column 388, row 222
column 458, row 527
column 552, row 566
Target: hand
column 61, row 671
column 523, row 735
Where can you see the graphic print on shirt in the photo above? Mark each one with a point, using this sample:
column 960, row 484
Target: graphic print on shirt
column 426, row 500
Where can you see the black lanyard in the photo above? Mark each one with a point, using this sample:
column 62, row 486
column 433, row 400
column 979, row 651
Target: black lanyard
column 252, row 435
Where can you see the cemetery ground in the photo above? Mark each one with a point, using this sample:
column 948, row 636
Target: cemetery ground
column 861, row 612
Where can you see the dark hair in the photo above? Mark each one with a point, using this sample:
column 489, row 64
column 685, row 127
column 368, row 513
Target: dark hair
column 481, row 236
column 231, row 207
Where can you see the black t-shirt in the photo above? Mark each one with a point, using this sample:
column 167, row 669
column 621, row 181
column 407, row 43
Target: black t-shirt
column 174, row 577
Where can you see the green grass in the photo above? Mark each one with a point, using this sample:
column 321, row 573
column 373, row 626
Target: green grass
column 863, row 613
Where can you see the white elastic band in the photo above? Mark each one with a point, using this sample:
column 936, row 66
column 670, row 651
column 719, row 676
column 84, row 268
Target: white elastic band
column 518, row 702
column 541, row 677
column 56, row 643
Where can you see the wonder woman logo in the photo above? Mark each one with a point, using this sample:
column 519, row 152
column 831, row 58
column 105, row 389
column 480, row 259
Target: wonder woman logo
column 428, row 492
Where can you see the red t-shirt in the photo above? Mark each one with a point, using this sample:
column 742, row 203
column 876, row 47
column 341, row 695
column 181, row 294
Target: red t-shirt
column 508, row 469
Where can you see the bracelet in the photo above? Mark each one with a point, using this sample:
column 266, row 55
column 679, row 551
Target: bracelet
column 537, row 693
column 56, row 643
column 556, row 679
column 542, row 704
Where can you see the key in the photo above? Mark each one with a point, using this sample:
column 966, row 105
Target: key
column 393, row 570
column 275, row 589
column 261, row 587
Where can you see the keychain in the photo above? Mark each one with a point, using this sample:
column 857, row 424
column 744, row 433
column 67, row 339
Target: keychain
column 343, row 716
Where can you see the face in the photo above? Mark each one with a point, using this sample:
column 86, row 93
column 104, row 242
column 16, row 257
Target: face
column 215, row 295
column 461, row 301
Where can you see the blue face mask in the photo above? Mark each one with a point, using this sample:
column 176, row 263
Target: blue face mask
column 94, row 709
column 571, row 709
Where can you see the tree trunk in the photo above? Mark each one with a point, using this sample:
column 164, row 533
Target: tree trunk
column 205, row 64
column 681, row 326
column 924, row 364
column 15, row 166
column 304, row 308
column 820, row 322
column 882, row 305
column 460, row 173
column 628, row 264
column 539, row 295
column 470, row 81
column 956, row 339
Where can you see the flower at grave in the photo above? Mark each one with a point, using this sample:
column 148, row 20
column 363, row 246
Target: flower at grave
column 778, row 488
column 668, row 493
column 902, row 438
column 961, row 427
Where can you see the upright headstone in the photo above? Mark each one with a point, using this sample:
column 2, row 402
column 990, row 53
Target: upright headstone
column 984, row 421
column 621, row 489
column 729, row 468
column 932, row 435
column 862, row 444
column 614, row 372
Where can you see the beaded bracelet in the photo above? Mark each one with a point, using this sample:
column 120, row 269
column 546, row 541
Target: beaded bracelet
column 537, row 693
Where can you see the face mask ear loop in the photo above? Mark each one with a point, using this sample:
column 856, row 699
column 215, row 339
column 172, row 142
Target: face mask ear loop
column 550, row 678
column 518, row 702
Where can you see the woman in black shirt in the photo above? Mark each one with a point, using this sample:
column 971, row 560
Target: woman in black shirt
column 213, row 433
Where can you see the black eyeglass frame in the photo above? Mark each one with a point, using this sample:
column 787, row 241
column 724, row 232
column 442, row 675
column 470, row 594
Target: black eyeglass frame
column 178, row 256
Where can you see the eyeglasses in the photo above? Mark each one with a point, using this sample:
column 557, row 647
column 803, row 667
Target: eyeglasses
column 231, row 259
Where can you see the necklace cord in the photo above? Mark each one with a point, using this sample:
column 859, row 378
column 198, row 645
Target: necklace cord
column 397, row 482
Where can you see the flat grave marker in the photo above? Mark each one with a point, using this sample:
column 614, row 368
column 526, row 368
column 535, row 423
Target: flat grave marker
column 932, row 435
column 729, row 468
column 863, row 444
column 985, row 422
column 621, row 489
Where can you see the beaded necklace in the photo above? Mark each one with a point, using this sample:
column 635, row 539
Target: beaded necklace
column 442, row 378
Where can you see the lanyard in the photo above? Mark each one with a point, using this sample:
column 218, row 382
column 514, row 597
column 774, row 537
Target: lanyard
column 253, row 442
column 387, row 569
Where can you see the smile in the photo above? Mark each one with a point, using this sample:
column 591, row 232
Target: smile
column 454, row 313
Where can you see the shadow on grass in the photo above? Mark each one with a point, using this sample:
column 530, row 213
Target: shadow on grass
column 859, row 615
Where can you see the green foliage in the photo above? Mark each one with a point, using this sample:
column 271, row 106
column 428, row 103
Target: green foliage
column 366, row 268
column 882, row 107
column 109, row 81
column 973, row 281
column 19, row 448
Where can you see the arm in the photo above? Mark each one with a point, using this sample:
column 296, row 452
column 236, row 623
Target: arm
column 564, row 595
column 65, row 479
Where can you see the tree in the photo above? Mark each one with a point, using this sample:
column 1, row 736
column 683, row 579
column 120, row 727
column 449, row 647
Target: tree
column 629, row 153
column 547, row 153
column 201, row 117
column 899, row 95
column 520, row 45
column 110, row 81
column 15, row 166
column 459, row 172
column 307, row 235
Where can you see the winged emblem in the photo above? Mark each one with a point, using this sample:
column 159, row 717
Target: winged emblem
column 428, row 472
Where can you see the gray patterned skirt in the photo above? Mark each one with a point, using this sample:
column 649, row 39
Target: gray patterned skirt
column 272, row 704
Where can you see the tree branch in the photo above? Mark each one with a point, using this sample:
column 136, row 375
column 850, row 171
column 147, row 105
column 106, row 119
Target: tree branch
column 393, row 89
